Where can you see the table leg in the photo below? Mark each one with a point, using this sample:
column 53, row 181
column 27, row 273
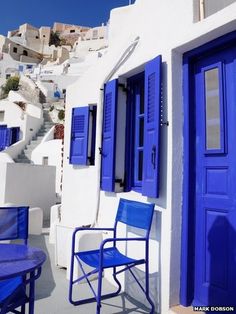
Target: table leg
column 31, row 292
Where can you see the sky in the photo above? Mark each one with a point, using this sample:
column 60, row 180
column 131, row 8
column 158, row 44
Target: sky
column 45, row 12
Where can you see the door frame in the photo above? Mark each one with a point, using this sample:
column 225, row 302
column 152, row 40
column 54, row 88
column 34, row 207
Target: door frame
column 188, row 209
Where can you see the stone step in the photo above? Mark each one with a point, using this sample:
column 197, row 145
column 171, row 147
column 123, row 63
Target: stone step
column 35, row 142
column 23, row 161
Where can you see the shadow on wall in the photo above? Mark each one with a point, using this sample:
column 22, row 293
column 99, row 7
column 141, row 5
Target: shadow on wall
column 132, row 289
column 45, row 284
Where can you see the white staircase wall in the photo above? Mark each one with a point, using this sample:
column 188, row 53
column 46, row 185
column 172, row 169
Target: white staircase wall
column 53, row 150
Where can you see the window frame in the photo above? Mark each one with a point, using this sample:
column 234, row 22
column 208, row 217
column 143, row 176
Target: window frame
column 133, row 117
column 222, row 149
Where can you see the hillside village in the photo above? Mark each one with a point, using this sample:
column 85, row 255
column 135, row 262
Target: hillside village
column 99, row 122
column 45, row 61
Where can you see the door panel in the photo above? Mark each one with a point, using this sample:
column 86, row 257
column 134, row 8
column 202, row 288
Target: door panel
column 215, row 202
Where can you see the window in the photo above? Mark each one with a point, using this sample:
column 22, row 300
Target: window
column 8, row 136
column 25, row 53
column 14, row 49
column 214, row 113
column 141, row 164
column 95, row 33
column 136, row 122
column 72, row 31
column 205, row 8
column 83, row 134
column 45, row 161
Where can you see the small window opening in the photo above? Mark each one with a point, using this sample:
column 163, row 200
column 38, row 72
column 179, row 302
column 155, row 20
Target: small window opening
column 14, row 49
column 2, row 114
column 92, row 134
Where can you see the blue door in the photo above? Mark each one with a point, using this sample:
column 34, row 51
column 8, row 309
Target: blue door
column 215, row 184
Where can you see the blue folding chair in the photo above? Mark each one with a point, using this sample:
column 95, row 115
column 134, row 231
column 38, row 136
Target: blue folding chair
column 131, row 213
column 13, row 225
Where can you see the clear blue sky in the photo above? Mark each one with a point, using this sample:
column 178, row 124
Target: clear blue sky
column 44, row 12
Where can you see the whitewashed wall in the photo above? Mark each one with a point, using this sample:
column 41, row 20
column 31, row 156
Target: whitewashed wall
column 166, row 28
column 52, row 150
column 19, row 186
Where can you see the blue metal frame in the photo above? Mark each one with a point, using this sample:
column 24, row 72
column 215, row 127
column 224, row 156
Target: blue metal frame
column 188, row 238
column 22, row 220
column 134, row 218
column 17, row 294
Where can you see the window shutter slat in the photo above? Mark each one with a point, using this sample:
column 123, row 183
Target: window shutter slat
column 150, row 185
column 109, row 137
column 8, row 138
column 79, row 136
column 2, row 137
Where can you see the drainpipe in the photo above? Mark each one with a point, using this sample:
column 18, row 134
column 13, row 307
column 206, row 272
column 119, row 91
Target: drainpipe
column 125, row 55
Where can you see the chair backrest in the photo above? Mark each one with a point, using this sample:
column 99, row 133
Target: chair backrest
column 135, row 214
column 14, row 223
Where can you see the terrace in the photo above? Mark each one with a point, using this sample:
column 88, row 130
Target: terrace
column 52, row 289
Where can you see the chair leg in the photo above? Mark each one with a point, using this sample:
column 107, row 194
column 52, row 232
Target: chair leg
column 99, row 290
column 117, row 281
column 31, row 293
column 147, row 290
column 23, row 309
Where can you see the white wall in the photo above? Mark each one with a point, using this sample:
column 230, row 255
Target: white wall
column 16, row 117
column 166, row 28
column 25, row 184
column 52, row 150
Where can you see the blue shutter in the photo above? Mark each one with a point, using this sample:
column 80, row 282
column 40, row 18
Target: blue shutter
column 79, row 136
column 150, row 185
column 8, row 137
column 109, row 136
column 2, row 138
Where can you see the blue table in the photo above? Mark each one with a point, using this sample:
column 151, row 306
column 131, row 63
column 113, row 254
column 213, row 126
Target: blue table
column 20, row 260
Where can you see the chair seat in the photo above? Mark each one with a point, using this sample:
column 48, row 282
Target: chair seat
column 111, row 258
column 8, row 286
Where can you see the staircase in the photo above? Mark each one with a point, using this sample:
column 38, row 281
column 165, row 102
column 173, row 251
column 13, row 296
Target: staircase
column 25, row 156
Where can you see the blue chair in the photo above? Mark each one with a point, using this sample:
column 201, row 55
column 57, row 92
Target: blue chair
column 13, row 225
column 131, row 213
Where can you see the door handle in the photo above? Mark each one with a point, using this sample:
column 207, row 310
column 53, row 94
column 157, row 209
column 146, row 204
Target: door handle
column 153, row 158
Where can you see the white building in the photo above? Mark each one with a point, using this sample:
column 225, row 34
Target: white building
column 173, row 144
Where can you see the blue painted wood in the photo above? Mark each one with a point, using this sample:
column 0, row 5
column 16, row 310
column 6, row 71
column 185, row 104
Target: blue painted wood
column 79, row 136
column 150, row 186
column 3, row 137
column 188, row 209
column 109, row 136
column 215, row 218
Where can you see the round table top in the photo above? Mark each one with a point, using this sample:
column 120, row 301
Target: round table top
column 19, row 259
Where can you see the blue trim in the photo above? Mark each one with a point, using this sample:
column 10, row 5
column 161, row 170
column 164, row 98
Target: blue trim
column 187, row 250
